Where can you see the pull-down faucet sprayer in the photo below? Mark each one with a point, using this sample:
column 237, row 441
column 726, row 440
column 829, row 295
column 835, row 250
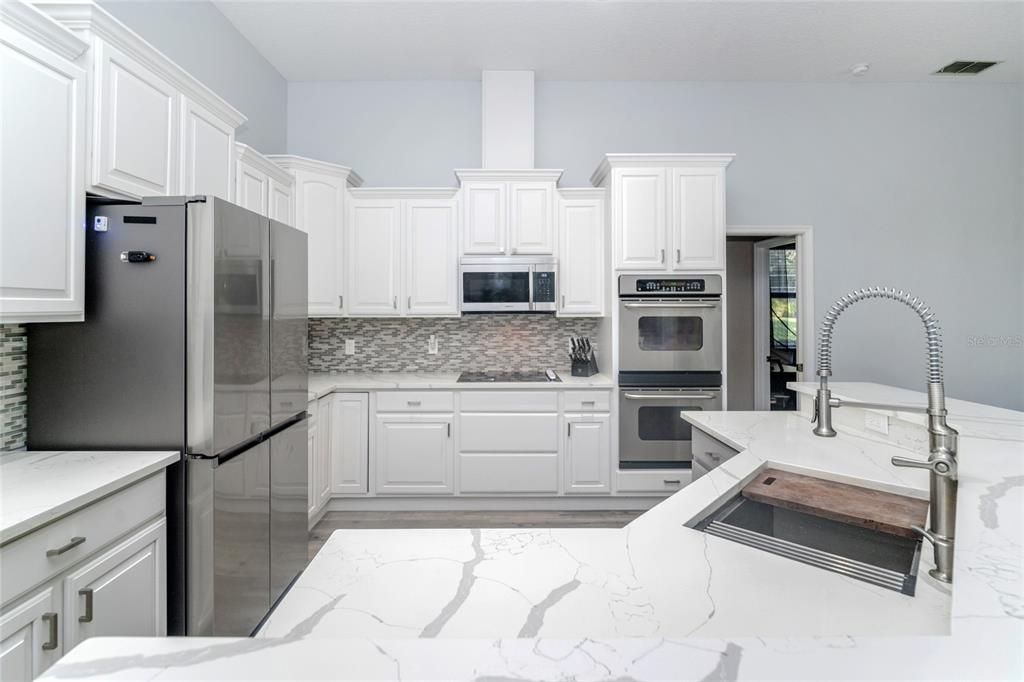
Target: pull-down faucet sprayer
column 942, row 438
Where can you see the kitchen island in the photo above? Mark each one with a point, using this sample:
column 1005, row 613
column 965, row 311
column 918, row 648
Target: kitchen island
column 655, row 600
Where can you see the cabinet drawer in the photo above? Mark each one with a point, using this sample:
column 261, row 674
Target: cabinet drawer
column 710, row 451
column 508, row 433
column 509, row 401
column 508, row 473
column 416, row 401
column 24, row 563
column 588, row 401
column 664, row 481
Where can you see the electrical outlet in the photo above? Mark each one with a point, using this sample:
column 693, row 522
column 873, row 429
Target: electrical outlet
column 350, row 346
column 873, row 421
column 432, row 345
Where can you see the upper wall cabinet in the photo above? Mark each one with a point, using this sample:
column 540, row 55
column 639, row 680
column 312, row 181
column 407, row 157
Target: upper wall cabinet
column 320, row 193
column 581, row 265
column 402, row 247
column 263, row 186
column 152, row 129
column 667, row 210
column 42, row 166
column 509, row 212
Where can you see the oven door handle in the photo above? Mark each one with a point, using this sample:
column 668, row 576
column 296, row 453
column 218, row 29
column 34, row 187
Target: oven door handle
column 631, row 306
column 668, row 396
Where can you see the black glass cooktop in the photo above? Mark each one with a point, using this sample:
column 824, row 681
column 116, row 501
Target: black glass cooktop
column 498, row 377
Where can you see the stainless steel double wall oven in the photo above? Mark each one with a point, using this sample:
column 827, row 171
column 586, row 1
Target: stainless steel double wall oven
column 670, row 359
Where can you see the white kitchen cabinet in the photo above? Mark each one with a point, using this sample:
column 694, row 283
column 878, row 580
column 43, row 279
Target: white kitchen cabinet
column 320, row 196
column 373, row 257
column 431, row 257
column 532, row 209
column 698, row 218
column 42, row 169
column 350, row 442
column 282, row 201
column 262, row 186
column 207, row 152
column 325, row 427
column 312, row 448
column 667, row 210
column 120, row 593
column 581, row 263
column 414, row 454
column 508, row 212
column 30, row 634
column 587, row 458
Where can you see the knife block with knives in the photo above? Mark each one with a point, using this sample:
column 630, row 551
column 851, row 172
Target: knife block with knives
column 584, row 362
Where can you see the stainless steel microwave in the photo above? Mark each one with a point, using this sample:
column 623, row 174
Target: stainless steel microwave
column 500, row 284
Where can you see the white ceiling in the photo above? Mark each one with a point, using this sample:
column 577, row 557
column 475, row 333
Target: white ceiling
column 631, row 39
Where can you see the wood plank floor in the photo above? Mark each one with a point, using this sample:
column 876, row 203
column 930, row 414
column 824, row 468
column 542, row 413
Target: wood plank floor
column 332, row 521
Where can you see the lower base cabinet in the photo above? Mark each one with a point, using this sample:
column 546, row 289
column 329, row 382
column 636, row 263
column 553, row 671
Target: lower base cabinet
column 414, row 454
column 587, row 453
column 350, row 443
column 30, row 640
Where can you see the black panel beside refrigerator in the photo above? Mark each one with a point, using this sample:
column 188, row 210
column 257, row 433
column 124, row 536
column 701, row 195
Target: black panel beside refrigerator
column 194, row 340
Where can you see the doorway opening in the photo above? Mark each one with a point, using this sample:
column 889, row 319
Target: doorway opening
column 769, row 314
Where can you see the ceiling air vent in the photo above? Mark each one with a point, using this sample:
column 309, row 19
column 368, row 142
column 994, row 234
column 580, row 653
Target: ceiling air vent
column 965, row 68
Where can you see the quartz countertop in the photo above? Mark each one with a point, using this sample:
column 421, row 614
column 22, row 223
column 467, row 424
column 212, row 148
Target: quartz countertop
column 320, row 384
column 654, row 600
column 37, row 487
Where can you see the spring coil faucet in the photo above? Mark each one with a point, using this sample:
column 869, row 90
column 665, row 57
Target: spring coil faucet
column 942, row 438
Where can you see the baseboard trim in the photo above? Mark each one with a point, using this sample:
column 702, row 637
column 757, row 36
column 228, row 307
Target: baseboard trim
column 605, row 503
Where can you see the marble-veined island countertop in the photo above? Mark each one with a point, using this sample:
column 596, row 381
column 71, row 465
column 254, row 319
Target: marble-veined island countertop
column 655, row 600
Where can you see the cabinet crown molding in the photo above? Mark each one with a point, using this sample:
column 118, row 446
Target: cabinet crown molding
column 582, row 192
column 292, row 162
column 250, row 156
column 404, row 192
column 496, row 175
column 651, row 160
column 44, row 30
column 89, row 20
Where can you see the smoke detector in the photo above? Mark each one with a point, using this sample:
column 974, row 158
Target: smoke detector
column 965, row 68
column 859, row 69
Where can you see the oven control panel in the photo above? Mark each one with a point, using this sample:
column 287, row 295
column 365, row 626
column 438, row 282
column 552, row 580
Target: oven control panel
column 670, row 286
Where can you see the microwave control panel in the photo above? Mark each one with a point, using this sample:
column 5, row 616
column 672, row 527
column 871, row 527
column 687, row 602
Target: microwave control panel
column 543, row 287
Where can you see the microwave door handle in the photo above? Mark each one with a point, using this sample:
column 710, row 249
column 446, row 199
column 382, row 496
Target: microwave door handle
column 670, row 305
column 669, row 396
column 529, row 276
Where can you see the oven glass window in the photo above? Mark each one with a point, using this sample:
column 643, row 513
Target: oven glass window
column 662, row 422
column 671, row 333
column 496, row 287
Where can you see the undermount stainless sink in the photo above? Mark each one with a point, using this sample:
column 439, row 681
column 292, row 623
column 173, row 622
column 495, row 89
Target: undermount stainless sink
column 866, row 554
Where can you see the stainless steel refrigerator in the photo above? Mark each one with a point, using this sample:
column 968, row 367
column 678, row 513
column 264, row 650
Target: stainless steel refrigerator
column 194, row 340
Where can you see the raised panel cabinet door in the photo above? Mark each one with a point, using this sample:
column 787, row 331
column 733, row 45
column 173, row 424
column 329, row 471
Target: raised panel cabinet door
column 587, row 448
column 350, row 442
column 485, row 218
column 31, row 638
column 281, row 202
column 322, row 490
column 639, row 218
column 581, row 260
column 414, row 454
column 431, row 267
column 207, row 153
column 42, row 183
column 319, row 212
column 312, row 444
column 698, row 219
column 135, row 148
column 121, row 593
column 252, row 188
column 532, row 217
column 374, row 229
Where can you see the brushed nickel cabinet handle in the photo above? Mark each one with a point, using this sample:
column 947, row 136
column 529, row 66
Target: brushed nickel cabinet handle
column 679, row 256
column 671, row 481
column 87, row 616
column 53, row 640
column 74, row 542
column 414, row 403
column 661, row 259
column 591, row 403
column 563, row 300
column 341, row 302
column 394, row 303
column 408, row 302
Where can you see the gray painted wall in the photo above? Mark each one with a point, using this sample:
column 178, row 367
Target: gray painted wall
column 909, row 185
column 395, row 133
column 739, row 264
column 201, row 40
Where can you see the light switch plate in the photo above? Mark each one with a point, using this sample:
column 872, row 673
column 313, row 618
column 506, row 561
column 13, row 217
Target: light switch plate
column 350, row 346
column 432, row 345
column 873, row 421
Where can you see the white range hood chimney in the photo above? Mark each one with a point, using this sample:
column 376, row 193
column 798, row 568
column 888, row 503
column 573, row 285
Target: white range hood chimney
column 507, row 119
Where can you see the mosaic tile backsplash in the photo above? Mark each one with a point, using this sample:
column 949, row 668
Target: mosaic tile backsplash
column 471, row 342
column 13, row 386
